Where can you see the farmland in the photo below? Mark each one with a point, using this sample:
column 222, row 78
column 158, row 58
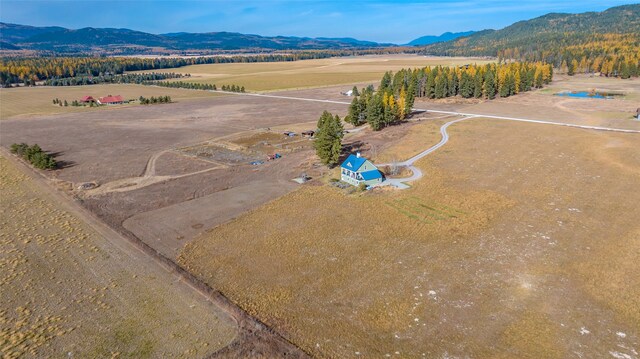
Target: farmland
column 311, row 73
column 67, row 289
column 501, row 239
column 26, row 101
column 502, row 210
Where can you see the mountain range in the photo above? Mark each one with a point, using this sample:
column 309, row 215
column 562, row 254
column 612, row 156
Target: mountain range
column 621, row 23
column 87, row 39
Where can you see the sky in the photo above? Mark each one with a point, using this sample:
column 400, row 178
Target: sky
column 376, row 20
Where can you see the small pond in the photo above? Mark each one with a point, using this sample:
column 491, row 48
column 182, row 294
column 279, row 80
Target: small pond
column 587, row 94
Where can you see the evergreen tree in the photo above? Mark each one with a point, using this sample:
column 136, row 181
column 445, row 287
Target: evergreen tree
column 328, row 142
column 354, row 115
column 430, row 84
column 410, row 99
column 386, row 82
column 375, row 112
column 489, row 85
column 440, row 87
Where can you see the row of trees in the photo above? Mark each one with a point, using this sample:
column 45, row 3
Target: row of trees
column 75, row 103
column 328, row 138
column 28, row 71
column 34, row 155
column 232, row 88
column 196, row 86
column 394, row 99
column 137, row 78
column 154, row 100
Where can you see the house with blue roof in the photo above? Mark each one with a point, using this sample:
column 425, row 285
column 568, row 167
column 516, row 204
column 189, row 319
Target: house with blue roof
column 357, row 169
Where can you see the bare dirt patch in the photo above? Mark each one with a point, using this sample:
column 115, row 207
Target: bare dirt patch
column 173, row 163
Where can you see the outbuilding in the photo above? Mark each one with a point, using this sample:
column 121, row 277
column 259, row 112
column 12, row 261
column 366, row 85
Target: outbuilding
column 87, row 99
column 357, row 169
column 638, row 114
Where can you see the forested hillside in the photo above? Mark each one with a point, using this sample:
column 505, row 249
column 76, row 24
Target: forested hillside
column 606, row 42
column 99, row 40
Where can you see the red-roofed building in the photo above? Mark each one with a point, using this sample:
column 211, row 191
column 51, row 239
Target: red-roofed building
column 110, row 100
column 87, row 99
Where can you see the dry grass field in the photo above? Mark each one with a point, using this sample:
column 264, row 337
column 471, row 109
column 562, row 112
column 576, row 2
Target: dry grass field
column 270, row 76
column 25, row 101
column 66, row 291
column 520, row 241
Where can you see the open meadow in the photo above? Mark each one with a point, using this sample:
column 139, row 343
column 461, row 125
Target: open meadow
column 69, row 291
column 271, row 76
column 499, row 251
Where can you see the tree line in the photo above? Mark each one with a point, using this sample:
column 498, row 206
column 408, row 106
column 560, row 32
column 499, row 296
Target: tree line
column 154, row 100
column 196, row 86
column 132, row 78
column 34, row 155
column 30, row 70
column 393, row 101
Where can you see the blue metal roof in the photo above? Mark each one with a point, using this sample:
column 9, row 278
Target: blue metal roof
column 353, row 162
column 369, row 175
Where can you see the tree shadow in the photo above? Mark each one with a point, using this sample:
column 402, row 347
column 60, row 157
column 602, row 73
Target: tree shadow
column 61, row 164
column 351, row 148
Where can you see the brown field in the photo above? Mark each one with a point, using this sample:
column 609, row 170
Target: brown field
column 66, row 289
column 26, row 101
column 270, row 76
column 498, row 252
column 336, row 283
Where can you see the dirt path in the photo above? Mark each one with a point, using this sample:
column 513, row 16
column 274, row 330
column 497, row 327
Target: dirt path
column 148, row 178
column 254, row 338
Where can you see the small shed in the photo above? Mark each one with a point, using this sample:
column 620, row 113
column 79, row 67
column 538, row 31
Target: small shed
column 357, row 169
column 309, row 133
column 87, row 99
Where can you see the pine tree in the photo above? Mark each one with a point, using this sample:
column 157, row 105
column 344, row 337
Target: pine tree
column 489, row 85
column 375, row 112
column 328, row 142
column 355, row 115
column 409, row 100
column 386, row 81
column 439, row 91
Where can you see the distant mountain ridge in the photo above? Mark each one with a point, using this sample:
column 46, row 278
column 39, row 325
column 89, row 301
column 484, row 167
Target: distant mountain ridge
column 431, row 39
column 60, row 39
